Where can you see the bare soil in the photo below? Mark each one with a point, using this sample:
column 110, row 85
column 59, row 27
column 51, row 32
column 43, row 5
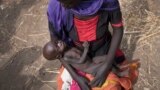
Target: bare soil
column 24, row 31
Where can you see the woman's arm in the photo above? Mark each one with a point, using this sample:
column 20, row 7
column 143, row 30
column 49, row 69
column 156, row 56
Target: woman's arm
column 115, row 18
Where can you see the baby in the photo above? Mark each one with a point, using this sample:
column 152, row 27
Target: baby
column 73, row 56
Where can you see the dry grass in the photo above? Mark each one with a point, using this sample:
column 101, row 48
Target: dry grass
column 152, row 28
column 142, row 33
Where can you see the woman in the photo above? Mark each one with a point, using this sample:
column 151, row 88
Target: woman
column 77, row 21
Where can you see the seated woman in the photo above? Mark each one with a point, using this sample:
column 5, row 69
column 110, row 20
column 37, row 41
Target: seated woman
column 80, row 61
column 52, row 51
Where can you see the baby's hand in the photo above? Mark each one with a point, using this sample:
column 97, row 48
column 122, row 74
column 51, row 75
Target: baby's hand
column 85, row 44
column 61, row 45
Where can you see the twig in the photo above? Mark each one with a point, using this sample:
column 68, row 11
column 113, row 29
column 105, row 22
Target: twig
column 35, row 35
column 149, row 67
column 33, row 15
column 52, row 71
column 28, row 14
column 132, row 32
column 48, row 81
column 23, row 40
column 20, row 25
column 144, row 81
column 146, row 37
column 142, row 45
column 29, row 10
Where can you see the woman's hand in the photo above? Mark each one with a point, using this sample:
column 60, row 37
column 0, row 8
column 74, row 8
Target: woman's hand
column 102, row 72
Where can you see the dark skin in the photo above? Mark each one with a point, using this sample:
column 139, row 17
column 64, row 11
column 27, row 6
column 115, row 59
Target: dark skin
column 50, row 51
column 81, row 62
column 74, row 58
column 74, row 54
column 71, row 57
column 53, row 50
column 108, row 59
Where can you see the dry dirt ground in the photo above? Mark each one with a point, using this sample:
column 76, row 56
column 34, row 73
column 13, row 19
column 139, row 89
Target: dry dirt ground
column 24, row 31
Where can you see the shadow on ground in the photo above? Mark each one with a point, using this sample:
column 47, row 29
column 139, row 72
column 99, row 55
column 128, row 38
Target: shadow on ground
column 8, row 18
column 14, row 75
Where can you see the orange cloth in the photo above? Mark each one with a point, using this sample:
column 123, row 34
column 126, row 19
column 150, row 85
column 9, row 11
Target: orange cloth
column 59, row 80
column 113, row 81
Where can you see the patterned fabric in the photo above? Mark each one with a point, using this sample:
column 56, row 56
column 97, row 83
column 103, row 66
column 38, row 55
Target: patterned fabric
column 86, row 29
column 113, row 81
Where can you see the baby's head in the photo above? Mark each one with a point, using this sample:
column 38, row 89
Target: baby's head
column 52, row 51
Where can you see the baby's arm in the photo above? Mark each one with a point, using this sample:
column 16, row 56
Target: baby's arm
column 72, row 57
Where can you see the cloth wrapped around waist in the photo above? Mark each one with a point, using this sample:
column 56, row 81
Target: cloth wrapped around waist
column 124, row 78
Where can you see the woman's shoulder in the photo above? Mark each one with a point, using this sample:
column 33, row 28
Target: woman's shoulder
column 110, row 5
column 54, row 6
column 56, row 12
